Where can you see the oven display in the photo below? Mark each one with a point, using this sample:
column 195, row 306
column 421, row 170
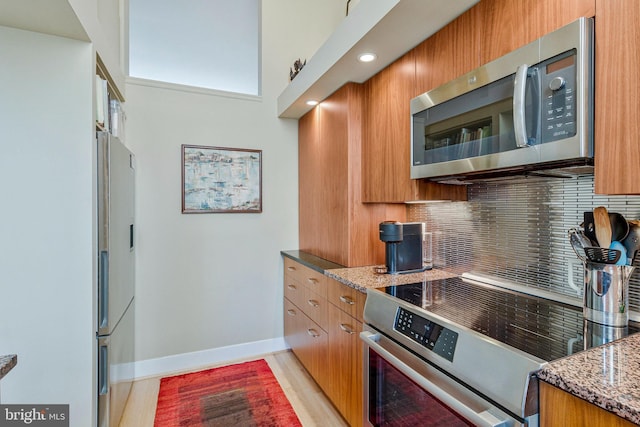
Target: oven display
column 430, row 335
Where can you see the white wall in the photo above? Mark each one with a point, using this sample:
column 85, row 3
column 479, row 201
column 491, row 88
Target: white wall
column 207, row 281
column 301, row 27
column 46, row 226
column 105, row 23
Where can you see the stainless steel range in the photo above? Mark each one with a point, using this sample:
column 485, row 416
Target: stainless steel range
column 460, row 352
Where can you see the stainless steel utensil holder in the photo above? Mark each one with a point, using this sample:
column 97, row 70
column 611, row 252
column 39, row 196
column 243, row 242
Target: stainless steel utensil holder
column 606, row 293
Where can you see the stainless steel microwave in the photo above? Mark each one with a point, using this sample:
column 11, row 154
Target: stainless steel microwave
column 528, row 110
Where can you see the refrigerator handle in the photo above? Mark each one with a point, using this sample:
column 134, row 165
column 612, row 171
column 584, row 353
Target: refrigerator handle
column 103, row 291
column 103, row 371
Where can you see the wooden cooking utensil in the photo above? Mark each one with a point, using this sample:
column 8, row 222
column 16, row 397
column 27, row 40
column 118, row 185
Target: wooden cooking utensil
column 603, row 226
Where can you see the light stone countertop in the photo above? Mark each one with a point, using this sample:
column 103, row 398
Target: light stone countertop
column 363, row 278
column 607, row 376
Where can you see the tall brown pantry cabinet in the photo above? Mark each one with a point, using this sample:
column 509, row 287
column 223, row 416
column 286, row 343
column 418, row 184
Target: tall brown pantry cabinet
column 334, row 223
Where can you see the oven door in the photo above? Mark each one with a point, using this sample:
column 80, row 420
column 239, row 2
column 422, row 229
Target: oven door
column 402, row 389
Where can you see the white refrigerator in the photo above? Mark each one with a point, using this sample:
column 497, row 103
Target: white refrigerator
column 115, row 293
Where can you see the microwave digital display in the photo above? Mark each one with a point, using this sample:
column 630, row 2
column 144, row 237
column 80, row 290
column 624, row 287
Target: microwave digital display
column 559, row 65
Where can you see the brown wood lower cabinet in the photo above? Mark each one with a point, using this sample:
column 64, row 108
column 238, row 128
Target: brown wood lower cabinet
column 561, row 409
column 322, row 325
column 308, row 341
column 344, row 360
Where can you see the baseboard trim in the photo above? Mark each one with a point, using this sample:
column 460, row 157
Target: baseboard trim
column 177, row 363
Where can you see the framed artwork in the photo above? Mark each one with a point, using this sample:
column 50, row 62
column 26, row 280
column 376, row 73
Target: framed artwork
column 221, row 180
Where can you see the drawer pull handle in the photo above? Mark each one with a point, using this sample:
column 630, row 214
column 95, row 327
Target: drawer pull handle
column 313, row 333
column 292, row 287
column 291, row 312
column 346, row 300
column 291, row 268
column 347, row 329
column 313, row 303
column 312, row 280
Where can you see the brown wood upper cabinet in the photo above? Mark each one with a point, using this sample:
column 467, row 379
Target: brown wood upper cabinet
column 386, row 156
column 485, row 32
column 617, row 112
column 450, row 53
column 506, row 25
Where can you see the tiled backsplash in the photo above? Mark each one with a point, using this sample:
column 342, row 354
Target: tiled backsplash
column 517, row 231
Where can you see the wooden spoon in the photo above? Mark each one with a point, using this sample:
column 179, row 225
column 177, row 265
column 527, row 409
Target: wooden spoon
column 603, row 226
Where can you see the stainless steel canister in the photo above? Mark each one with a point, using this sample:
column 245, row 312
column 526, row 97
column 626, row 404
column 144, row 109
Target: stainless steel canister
column 606, row 293
column 596, row 334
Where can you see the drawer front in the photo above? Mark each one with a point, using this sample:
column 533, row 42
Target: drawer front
column 292, row 325
column 315, row 306
column 291, row 268
column 314, row 352
column 310, row 278
column 293, row 290
column 347, row 299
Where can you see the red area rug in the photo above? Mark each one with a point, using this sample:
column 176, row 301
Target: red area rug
column 246, row 394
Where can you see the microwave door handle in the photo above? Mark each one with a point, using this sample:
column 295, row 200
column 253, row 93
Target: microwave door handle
column 519, row 120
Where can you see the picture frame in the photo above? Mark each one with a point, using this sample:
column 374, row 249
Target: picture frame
column 221, row 180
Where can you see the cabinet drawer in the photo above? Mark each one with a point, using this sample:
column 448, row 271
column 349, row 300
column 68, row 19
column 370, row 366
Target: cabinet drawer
column 293, row 290
column 292, row 325
column 315, row 306
column 345, row 359
column 314, row 352
column 308, row 341
column 347, row 299
column 306, row 276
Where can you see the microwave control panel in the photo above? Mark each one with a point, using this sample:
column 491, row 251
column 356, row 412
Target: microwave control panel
column 558, row 87
column 428, row 334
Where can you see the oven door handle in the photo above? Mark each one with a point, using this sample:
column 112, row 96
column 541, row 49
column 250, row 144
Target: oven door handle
column 484, row 419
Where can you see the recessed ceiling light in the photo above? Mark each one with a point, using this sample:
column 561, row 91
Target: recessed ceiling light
column 367, row 57
column 312, row 102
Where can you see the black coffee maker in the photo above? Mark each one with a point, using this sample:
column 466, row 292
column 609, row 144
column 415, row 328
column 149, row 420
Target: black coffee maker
column 403, row 246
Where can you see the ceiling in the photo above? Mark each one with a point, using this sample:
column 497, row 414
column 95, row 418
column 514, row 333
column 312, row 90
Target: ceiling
column 54, row 17
column 389, row 28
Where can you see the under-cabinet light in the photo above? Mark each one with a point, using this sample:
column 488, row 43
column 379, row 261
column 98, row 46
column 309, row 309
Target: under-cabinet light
column 312, row 102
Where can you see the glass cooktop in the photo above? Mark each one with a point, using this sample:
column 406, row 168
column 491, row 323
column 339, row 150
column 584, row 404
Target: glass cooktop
column 540, row 327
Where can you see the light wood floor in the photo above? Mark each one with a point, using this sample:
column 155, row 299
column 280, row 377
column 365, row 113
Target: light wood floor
column 307, row 400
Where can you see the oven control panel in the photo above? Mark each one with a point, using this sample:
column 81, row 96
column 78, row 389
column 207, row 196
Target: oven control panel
column 430, row 335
